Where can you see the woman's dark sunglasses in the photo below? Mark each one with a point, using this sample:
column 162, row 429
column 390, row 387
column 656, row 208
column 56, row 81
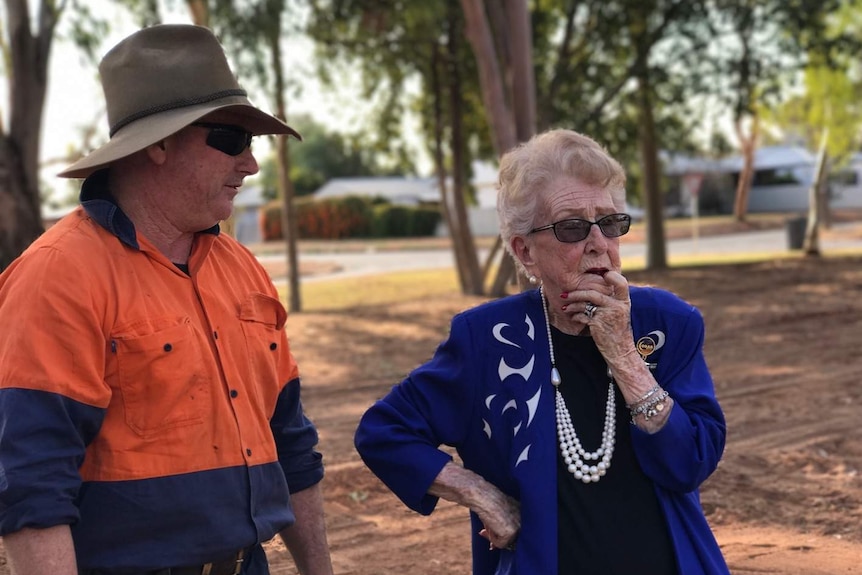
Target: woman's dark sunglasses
column 575, row 230
column 228, row 139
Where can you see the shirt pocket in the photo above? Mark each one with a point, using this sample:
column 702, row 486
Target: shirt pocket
column 161, row 377
column 262, row 318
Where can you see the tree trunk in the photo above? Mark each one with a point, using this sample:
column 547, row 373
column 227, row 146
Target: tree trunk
column 463, row 236
column 497, row 112
column 811, row 244
column 199, row 12
column 748, row 146
column 440, row 167
column 20, row 217
column 524, row 90
column 288, row 215
column 19, row 149
column 656, row 253
column 501, row 119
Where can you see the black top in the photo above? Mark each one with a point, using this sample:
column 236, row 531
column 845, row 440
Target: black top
column 614, row 526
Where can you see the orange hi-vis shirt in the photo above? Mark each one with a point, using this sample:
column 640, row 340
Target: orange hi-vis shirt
column 155, row 411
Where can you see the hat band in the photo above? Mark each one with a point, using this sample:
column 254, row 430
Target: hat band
column 173, row 106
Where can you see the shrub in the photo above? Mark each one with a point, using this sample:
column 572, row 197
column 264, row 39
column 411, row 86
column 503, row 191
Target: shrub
column 350, row 217
column 270, row 221
column 391, row 221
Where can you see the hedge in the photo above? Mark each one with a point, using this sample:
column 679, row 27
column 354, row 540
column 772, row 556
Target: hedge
column 350, row 217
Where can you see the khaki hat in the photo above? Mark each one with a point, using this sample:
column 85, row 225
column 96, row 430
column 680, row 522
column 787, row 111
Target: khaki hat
column 158, row 81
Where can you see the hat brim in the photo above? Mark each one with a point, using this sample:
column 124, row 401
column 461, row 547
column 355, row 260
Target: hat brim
column 151, row 129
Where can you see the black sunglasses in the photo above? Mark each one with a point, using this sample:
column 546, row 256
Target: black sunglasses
column 228, row 139
column 575, row 230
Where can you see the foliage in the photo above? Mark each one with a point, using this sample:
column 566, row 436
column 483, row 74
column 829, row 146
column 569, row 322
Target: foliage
column 86, row 30
column 763, row 44
column 393, row 221
column 321, row 156
column 832, row 97
column 335, row 218
column 390, row 43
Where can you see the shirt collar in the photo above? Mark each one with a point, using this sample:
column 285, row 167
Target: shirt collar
column 100, row 205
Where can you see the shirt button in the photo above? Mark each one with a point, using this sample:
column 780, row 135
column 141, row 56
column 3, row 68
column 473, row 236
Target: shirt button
column 168, row 347
column 215, row 335
column 234, row 393
column 273, row 345
column 248, row 452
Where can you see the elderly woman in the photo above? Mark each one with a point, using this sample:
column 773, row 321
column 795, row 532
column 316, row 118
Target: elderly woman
column 583, row 410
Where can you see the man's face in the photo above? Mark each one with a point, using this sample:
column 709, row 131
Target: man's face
column 207, row 179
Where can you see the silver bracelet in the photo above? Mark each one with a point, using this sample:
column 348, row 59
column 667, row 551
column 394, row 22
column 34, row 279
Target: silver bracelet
column 650, row 408
column 644, row 397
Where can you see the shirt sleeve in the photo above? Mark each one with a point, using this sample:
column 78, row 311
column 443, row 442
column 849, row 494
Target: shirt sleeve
column 52, row 401
column 295, row 439
column 686, row 451
column 42, row 444
column 398, row 438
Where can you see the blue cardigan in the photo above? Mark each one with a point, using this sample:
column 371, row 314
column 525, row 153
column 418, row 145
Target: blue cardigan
column 487, row 392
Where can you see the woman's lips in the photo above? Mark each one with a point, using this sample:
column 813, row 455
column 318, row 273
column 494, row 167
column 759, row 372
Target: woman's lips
column 597, row 271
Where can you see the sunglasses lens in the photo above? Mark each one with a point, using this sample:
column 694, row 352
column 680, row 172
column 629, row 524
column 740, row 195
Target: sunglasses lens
column 615, row 225
column 570, row 231
column 230, row 142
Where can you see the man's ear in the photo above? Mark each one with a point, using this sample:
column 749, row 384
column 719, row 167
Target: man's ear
column 157, row 153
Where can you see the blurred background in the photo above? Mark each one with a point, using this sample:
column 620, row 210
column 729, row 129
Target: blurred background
column 716, row 108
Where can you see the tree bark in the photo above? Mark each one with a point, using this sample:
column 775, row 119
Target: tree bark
column 464, row 235
column 811, row 244
column 288, row 215
column 20, row 220
column 497, row 112
column 19, row 149
column 656, row 253
column 440, row 167
column 199, row 12
column 748, row 146
column 501, row 118
column 524, row 89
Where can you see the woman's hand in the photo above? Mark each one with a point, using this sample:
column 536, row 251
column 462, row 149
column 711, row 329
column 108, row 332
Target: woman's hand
column 501, row 516
column 610, row 318
column 610, row 326
column 499, row 513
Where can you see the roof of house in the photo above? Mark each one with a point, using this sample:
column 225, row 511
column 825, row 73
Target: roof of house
column 395, row 189
column 765, row 158
column 772, row 157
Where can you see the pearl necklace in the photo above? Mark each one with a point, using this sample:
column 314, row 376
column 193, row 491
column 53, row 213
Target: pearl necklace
column 580, row 462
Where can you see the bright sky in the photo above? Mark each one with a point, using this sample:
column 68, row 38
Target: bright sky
column 75, row 99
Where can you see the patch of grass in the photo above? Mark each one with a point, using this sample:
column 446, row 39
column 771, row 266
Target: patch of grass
column 347, row 293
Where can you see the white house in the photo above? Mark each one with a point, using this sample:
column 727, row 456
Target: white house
column 425, row 191
column 246, row 214
column 846, row 184
column 396, row 190
column 782, row 178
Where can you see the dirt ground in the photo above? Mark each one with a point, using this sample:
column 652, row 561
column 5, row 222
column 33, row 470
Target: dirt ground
column 783, row 344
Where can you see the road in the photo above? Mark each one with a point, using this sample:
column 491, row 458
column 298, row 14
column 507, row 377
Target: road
column 354, row 264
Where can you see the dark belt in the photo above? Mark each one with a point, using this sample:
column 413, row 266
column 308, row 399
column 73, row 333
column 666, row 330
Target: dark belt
column 230, row 566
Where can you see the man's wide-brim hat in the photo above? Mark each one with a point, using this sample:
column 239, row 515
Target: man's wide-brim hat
column 158, row 81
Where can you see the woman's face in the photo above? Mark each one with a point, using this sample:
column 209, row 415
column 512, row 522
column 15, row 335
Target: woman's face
column 570, row 266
